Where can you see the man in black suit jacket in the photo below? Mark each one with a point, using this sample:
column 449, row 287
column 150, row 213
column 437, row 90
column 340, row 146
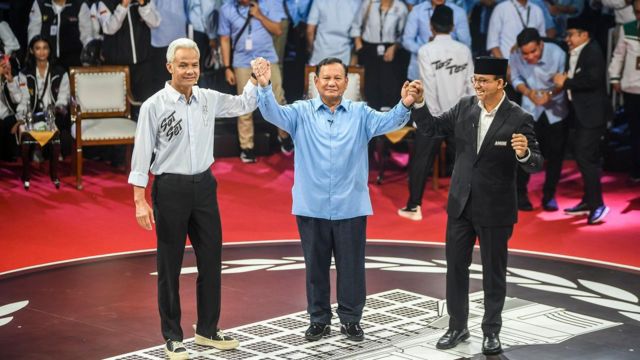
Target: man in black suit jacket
column 493, row 137
column 586, row 88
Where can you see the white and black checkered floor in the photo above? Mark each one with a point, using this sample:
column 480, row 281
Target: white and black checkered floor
column 398, row 325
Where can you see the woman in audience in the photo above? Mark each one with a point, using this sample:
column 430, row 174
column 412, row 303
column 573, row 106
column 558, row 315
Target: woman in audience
column 45, row 90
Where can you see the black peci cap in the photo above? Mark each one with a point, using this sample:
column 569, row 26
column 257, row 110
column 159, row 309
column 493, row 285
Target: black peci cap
column 486, row 65
column 442, row 15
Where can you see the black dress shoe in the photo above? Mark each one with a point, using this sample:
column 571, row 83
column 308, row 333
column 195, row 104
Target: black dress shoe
column 491, row 344
column 353, row 331
column 452, row 338
column 580, row 209
column 550, row 204
column 316, row 331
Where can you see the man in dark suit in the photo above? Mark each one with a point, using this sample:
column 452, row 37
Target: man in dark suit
column 586, row 88
column 494, row 137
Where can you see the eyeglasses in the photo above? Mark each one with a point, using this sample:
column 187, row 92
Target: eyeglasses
column 481, row 82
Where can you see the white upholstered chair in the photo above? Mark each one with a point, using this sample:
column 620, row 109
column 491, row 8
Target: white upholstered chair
column 101, row 110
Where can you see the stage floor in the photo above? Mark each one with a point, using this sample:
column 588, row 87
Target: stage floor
column 106, row 307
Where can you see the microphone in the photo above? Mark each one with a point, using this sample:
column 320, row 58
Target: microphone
column 330, row 121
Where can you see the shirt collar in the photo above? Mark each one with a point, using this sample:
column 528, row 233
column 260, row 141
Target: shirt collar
column 578, row 50
column 176, row 96
column 318, row 104
column 440, row 37
column 495, row 109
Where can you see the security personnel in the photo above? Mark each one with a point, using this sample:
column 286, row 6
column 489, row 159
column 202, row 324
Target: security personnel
column 176, row 125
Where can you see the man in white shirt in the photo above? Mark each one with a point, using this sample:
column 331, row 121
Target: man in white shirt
column 177, row 126
column 446, row 68
column 508, row 19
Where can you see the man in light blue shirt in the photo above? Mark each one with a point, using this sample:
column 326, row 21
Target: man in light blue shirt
column 203, row 16
column 532, row 68
column 176, row 128
column 330, row 192
column 417, row 30
column 298, row 10
column 328, row 28
column 246, row 30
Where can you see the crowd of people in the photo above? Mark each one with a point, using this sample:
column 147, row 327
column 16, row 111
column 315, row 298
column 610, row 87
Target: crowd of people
column 393, row 40
column 539, row 72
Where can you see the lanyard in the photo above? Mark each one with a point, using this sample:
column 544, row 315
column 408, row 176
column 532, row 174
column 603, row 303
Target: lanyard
column 524, row 25
column 383, row 19
column 246, row 18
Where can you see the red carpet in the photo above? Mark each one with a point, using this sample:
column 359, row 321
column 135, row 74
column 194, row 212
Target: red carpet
column 45, row 225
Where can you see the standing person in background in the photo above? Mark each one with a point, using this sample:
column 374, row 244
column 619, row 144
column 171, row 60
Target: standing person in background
column 446, row 67
column 624, row 72
column 174, row 26
column 126, row 26
column 176, row 127
column 377, row 31
column 330, row 193
column 479, row 26
column 585, row 84
column 493, row 136
column 246, row 29
column 328, row 29
column 533, row 66
column 417, row 31
column 508, row 19
column 66, row 24
column 8, row 42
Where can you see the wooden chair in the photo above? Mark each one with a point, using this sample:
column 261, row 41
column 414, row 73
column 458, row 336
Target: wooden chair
column 101, row 110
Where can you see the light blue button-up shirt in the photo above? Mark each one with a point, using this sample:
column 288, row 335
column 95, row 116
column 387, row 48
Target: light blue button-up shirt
column 180, row 133
column 173, row 23
column 298, row 10
column 331, row 159
column 540, row 77
column 333, row 19
column 233, row 17
column 417, row 31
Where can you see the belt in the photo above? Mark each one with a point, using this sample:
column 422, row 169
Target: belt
column 186, row 178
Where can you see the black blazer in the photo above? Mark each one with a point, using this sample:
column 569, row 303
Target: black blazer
column 589, row 88
column 490, row 174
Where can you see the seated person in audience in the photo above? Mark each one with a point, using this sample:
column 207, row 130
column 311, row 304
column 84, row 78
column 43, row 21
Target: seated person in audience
column 45, row 87
column 10, row 96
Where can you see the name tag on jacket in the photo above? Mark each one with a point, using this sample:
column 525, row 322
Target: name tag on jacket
column 500, row 143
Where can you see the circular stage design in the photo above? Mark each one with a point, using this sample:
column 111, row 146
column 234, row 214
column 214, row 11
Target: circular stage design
column 106, row 308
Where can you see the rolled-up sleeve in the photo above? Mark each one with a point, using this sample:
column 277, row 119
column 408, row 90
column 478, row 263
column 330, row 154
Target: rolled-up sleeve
column 145, row 141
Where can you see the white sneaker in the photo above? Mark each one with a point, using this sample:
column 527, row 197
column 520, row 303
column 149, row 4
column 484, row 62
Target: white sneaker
column 411, row 214
column 175, row 350
column 220, row 341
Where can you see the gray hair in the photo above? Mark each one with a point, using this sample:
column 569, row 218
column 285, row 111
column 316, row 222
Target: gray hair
column 181, row 43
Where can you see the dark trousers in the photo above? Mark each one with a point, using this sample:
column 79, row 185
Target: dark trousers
column 345, row 239
column 425, row 150
column 187, row 205
column 461, row 237
column 632, row 113
column 587, row 154
column 8, row 144
column 383, row 78
column 552, row 139
column 142, row 75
